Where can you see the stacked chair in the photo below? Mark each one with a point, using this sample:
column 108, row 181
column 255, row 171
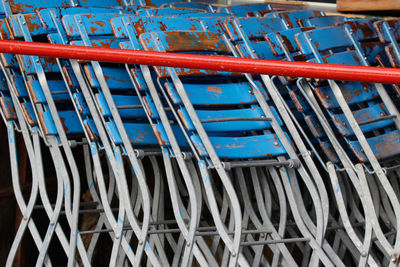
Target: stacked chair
column 189, row 167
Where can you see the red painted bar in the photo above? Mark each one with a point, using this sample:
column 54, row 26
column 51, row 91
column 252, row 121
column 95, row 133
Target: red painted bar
column 256, row 66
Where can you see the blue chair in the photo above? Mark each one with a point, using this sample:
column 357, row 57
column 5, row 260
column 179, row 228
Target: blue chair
column 348, row 102
column 248, row 36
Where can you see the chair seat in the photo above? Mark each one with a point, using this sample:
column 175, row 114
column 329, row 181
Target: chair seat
column 122, row 101
column 57, row 88
column 116, row 78
column 69, row 120
column 363, row 115
column 383, row 146
column 260, row 146
column 215, row 94
column 229, row 126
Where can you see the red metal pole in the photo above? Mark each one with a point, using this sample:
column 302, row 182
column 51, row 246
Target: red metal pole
column 256, row 66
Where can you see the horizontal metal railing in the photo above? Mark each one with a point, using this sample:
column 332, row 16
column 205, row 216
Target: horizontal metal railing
column 221, row 63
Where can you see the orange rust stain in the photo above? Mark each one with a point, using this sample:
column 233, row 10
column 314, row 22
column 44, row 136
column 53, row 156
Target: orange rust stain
column 100, row 23
column 67, row 76
column 158, row 136
column 215, row 89
column 180, row 114
column 9, row 110
column 89, row 75
column 30, row 88
column 30, row 22
column 28, row 117
column 90, row 132
column 63, row 124
column 93, row 29
column 41, row 120
column 296, row 101
column 147, row 107
column 329, row 152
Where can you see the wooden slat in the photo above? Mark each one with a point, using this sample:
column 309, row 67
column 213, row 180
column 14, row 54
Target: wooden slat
column 368, row 5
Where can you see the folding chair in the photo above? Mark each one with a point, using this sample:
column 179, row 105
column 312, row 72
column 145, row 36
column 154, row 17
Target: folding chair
column 195, row 138
column 98, row 142
column 348, row 100
column 124, row 27
column 28, row 27
column 128, row 135
column 13, row 114
column 63, row 125
column 283, row 45
column 16, row 81
column 249, row 36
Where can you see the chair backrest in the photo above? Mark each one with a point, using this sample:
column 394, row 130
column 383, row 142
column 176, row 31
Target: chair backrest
column 294, row 19
column 363, row 29
column 283, row 43
column 242, row 10
column 168, row 12
column 325, row 21
column 320, row 41
column 254, row 28
column 204, row 6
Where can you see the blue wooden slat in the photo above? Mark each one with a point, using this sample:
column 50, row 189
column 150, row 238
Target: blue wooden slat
column 383, row 146
column 242, row 147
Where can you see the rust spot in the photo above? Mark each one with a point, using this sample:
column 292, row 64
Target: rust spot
column 93, row 29
column 363, row 26
column 100, row 23
column 147, row 107
column 287, row 19
column 180, row 114
column 9, row 110
column 70, row 30
column 139, row 26
column 30, row 22
column 92, row 135
column 329, row 152
column 32, row 92
column 63, row 124
column 67, row 76
column 89, row 75
column 41, row 120
column 28, row 117
column 387, row 145
column 194, row 41
column 136, row 77
column 215, row 89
